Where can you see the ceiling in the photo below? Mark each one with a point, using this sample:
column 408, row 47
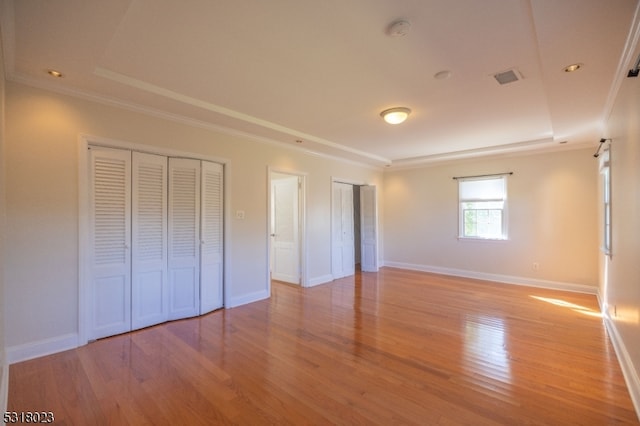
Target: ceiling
column 316, row 74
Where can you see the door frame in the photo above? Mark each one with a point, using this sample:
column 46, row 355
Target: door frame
column 353, row 183
column 338, row 245
column 84, row 244
column 302, row 224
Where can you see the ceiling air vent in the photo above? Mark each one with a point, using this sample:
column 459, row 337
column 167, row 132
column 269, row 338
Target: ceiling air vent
column 509, row 76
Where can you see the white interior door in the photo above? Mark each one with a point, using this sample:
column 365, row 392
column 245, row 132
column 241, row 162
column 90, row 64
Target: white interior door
column 369, row 229
column 150, row 289
column 211, row 268
column 184, row 238
column 342, row 235
column 110, row 238
column 285, row 233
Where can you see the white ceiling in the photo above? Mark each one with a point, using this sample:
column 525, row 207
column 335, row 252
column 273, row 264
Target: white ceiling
column 321, row 71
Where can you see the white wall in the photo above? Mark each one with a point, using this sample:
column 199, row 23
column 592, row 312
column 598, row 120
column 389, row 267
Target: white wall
column 42, row 204
column 552, row 220
column 620, row 274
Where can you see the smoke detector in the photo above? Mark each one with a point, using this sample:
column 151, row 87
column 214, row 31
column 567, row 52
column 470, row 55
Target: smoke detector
column 399, row 28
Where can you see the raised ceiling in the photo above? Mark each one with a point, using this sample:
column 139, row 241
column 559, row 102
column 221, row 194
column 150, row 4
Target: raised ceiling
column 320, row 72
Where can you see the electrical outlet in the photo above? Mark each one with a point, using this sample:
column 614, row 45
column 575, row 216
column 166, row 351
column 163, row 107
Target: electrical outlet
column 240, row 214
column 536, row 266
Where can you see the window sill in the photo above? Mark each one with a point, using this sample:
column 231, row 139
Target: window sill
column 478, row 239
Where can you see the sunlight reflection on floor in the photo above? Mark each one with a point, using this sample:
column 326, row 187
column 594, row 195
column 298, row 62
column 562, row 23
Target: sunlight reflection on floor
column 563, row 303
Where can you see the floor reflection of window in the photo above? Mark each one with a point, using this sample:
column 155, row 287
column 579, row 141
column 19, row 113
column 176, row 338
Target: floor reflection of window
column 485, row 347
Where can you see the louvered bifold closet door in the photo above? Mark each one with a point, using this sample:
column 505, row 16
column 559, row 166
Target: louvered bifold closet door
column 184, row 238
column 369, row 225
column 212, row 237
column 150, row 287
column 110, row 222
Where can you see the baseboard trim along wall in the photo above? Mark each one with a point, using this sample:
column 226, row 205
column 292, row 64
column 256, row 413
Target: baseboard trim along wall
column 53, row 345
column 628, row 371
column 323, row 279
column 40, row 348
column 65, row 342
column 256, row 296
column 506, row 279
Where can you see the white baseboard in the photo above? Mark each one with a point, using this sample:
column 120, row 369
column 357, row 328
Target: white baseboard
column 626, row 363
column 233, row 302
column 53, row 345
column 323, row 279
column 41, row 348
column 506, row 279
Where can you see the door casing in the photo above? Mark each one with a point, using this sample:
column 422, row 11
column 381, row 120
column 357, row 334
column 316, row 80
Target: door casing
column 273, row 175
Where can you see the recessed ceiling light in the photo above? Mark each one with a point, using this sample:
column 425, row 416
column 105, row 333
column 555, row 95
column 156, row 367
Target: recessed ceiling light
column 55, row 73
column 572, row 67
column 395, row 115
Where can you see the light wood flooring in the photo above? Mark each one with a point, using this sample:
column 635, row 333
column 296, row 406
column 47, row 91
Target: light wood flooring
column 394, row 347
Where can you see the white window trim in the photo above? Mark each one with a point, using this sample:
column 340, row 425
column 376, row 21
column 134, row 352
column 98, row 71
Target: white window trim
column 605, row 200
column 505, row 210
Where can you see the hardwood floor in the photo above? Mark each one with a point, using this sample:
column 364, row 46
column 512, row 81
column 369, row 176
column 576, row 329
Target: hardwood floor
column 396, row 347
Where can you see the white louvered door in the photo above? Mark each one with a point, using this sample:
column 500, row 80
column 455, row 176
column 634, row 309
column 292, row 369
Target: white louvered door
column 150, row 287
column 212, row 238
column 369, row 225
column 184, row 238
column 110, row 225
column 155, row 239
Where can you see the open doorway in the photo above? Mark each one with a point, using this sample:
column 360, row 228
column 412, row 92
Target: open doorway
column 354, row 229
column 286, row 225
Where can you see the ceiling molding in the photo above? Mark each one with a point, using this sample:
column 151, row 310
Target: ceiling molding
column 519, row 149
column 160, row 91
column 278, row 86
column 163, row 115
column 627, row 57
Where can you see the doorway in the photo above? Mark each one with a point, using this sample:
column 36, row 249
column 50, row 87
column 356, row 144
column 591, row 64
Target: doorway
column 286, row 225
column 354, row 229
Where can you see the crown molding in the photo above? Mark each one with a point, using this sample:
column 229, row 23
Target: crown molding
column 163, row 115
column 627, row 57
column 520, row 149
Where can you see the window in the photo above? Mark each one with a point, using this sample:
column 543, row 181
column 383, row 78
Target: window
column 605, row 172
column 483, row 207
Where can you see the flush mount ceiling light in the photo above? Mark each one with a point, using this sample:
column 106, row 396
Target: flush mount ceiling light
column 395, row 115
column 572, row 67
